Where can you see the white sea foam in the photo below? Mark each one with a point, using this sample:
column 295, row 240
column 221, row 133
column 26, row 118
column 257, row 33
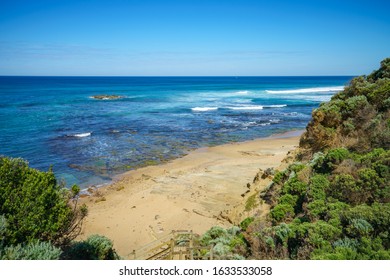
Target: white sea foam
column 248, row 124
column 294, row 114
column 307, row 90
column 254, row 107
column 204, row 109
column 81, row 135
column 243, row 92
column 275, row 106
column 320, row 98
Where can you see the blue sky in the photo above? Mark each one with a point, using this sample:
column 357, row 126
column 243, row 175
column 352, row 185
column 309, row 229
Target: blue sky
column 167, row 37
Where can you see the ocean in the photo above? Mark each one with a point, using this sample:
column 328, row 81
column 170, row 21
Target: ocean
column 55, row 122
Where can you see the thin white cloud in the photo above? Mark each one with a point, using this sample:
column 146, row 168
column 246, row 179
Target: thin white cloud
column 36, row 50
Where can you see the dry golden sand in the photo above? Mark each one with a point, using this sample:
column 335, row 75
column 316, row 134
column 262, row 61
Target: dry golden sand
column 189, row 193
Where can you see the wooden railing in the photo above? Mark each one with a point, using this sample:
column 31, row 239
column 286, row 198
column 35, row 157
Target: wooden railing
column 177, row 245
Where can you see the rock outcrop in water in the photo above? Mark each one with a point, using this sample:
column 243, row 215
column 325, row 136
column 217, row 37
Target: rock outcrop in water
column 106, row 97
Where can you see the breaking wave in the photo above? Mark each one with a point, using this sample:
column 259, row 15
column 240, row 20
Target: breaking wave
column 204, row 109
column 307, row 90
column 81, row 135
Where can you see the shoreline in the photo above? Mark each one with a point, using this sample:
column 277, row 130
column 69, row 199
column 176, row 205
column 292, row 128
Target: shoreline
column 194, row 192
column 87, row 190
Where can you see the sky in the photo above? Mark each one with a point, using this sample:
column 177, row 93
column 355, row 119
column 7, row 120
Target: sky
column 193, row 38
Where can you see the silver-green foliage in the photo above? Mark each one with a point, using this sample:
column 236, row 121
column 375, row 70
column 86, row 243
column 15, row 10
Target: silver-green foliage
column 224, row 242
column 32, row 251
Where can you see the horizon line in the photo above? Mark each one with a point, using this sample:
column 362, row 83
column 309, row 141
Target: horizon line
column 173, row 76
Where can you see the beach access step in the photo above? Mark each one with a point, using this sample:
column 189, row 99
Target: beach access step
column 177, row 245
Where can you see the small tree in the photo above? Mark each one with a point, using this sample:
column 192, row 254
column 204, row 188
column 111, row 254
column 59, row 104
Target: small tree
column 35, row 207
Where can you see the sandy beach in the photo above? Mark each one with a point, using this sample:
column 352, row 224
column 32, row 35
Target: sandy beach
column 207, row 187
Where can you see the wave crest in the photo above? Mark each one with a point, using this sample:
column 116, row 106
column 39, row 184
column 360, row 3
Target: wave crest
column 254, row 107
column 307, row 90
column 275, row 106
column 204, row 109
column 81, row 135
column 243, row 92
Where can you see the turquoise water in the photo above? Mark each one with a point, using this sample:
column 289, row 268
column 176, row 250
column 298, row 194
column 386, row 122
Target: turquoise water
column 54, row 121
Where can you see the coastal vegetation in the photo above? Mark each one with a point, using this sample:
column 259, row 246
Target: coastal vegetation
column 333, row 202
column 40, row 219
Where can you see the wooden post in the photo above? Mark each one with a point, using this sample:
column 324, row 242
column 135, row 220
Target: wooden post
column 211, row 253
column 180, row 254
column 191, row 247
column 134, row 256
column 172, row 245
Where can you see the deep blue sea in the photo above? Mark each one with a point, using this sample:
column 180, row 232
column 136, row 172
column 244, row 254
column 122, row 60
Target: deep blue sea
column 54, row 121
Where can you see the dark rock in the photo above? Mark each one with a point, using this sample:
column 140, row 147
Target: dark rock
column 107, row 97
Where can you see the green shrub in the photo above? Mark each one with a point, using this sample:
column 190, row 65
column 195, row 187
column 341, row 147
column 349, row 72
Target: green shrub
column 317, row 209
column 237, row 240
column 103, row 247
column 344, row 188
column 382, row 72
column 35, row 206
column 246, row 222
column 319, row 184
column 33, row 251
column 282, row 212
column 282, row 232
column 335, row 157
column 270, row 241
column 96, row 247
column 221, row 249
column 332, row 116
column 3, row 227
column 339, row 253
column 234, row 230
column 212, row 234
column 386, row 106
column 348, row 126
column 374, row 187
column 359, row 228
column 279, row 177
column 294, row 186
column 321, row 230
column 379, row 94
column 296, row 167
column 288, row 199
column 376, row 155
column 317, row 159
column 226, row 244
column 346, row 243
column 355, row 103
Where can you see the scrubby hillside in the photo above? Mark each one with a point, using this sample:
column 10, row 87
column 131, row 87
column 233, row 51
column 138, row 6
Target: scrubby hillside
column 356, row 118
column 333, row 202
